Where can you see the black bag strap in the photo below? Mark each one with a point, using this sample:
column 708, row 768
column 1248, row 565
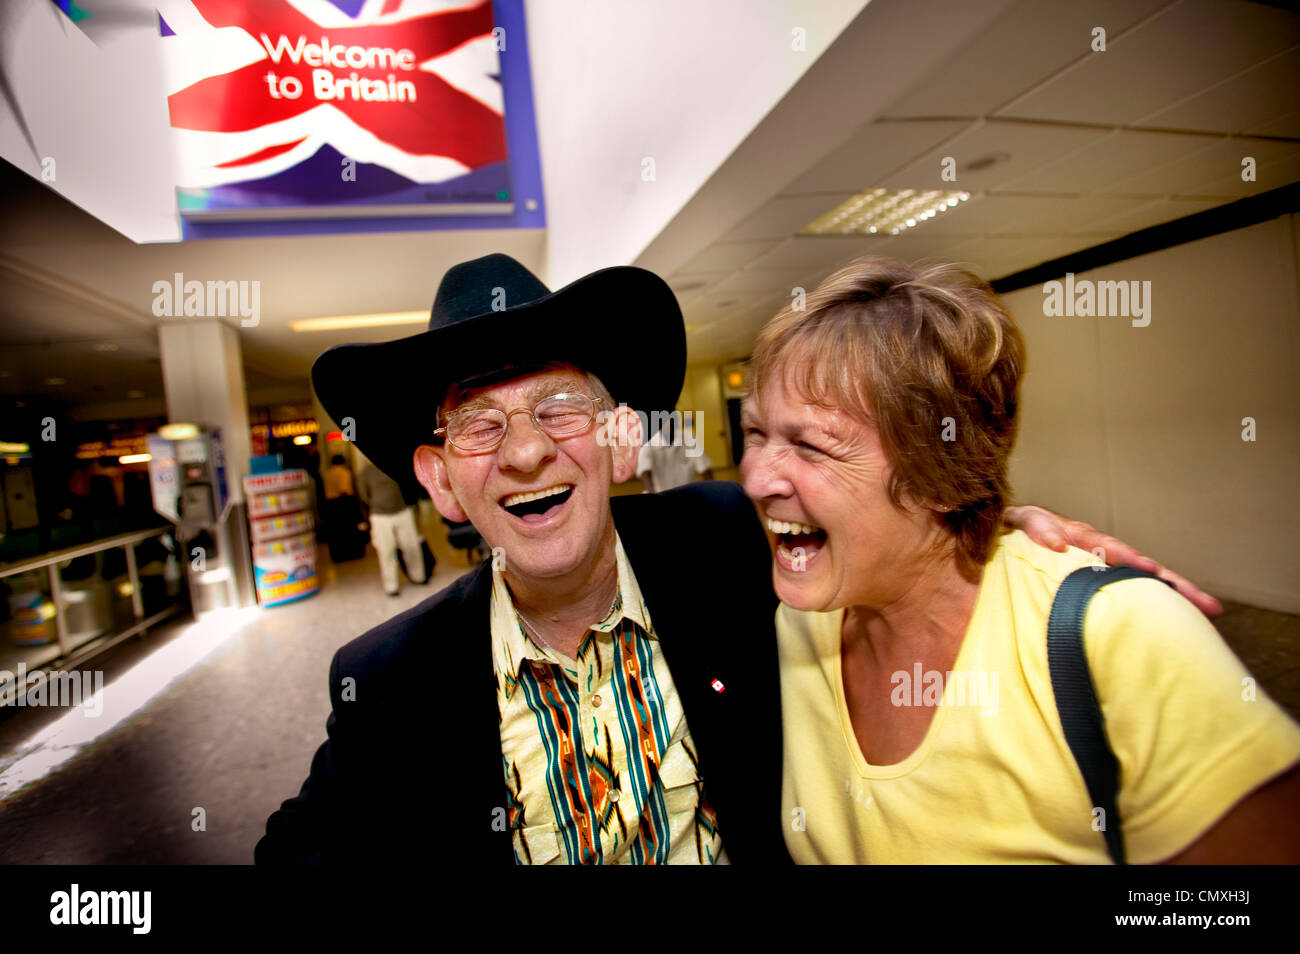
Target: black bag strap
column 1076, row 700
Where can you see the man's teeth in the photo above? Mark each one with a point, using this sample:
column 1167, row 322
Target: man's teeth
column 785, row 526
column 535, row 495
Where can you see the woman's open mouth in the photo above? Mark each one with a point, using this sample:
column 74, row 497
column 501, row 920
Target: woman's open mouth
column 797, row 544
column 535, row 506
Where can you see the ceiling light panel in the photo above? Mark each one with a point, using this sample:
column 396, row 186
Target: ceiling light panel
column 885, row 212
column 340, row 322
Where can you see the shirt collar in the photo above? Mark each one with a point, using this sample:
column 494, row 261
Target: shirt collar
column 513, row 646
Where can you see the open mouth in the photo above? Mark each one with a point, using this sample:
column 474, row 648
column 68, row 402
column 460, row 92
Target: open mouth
column 537, row 502
column 797, row 543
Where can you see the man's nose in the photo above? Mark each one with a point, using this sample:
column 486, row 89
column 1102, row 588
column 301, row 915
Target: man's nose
column 762, row 474
column 525, row 446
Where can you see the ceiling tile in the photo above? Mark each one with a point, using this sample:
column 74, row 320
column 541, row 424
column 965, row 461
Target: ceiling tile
column 1071, row 216
column 1287, row 126
column 1214, row 170
column 1262, row 95
column 763, row 280
column 726, row 256
column 810, row 252
column 1269, row 174
column 873, row 153
column 995, row 257
column 1099, row 164
column 1035, row 39
column 1178, row 53
column 782, row 217
column 716, row 313
column 1026, row 146
column 683, row 283
column 1145, row 215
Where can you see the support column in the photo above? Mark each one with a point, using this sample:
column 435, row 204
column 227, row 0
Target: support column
column 203, row 379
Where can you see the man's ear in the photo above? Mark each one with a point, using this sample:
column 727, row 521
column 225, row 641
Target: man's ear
column 626, row 434
column 431, row 471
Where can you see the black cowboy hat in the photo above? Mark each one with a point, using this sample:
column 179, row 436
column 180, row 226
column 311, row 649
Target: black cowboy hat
column 622, row 324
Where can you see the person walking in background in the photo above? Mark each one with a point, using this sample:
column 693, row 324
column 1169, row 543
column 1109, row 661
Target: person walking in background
column 338, row 479
column 392, row 525
column 667, row 460
column 342, row 512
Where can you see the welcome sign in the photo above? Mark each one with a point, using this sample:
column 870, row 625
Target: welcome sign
column 338, row 108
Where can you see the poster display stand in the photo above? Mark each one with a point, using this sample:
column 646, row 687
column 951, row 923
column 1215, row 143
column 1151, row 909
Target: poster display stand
column 282, row 531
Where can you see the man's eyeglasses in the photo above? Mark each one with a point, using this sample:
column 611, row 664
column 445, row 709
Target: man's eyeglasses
column 567, row 414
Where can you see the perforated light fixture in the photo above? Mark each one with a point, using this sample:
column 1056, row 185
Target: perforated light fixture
column 885, row 212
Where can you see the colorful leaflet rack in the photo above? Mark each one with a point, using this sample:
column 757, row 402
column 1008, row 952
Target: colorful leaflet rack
column 284, row 542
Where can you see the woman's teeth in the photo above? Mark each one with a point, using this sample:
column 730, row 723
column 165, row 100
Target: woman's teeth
column 535, row 495
column 785, row 526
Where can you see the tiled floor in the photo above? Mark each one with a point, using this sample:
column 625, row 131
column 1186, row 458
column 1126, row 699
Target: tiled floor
column 235, row 735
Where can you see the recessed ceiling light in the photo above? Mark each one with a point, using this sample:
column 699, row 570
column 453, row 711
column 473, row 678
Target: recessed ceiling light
column 56, row 382
column 876, row 211
column 986, row 162
column 105, row 346
column 340, row 322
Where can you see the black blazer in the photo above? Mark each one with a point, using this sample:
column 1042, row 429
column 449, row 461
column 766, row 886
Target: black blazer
column 412, row 767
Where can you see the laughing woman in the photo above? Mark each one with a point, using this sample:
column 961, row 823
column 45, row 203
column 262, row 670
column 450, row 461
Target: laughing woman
column 920, row 720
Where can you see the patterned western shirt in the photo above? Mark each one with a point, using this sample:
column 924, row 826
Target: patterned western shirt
column 597, row 758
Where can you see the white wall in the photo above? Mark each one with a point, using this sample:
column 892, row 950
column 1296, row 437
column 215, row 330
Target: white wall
column 1138, row 430
column 93, row 111
column 680, row 81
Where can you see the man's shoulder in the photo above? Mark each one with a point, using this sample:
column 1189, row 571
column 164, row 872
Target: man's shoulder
column 710, row 500
column 691, row 526
column 395, row 641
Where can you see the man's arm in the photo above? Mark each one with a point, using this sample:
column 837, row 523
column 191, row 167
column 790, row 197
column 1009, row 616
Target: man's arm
column 1056, row 533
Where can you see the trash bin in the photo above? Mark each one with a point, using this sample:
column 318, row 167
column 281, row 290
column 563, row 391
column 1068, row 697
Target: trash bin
column 32, row 613
column 87, row 608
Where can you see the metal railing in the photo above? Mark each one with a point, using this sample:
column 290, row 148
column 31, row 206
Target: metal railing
column 96, row 645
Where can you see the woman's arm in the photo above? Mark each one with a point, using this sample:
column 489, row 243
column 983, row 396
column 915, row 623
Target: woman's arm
column 1262, row 829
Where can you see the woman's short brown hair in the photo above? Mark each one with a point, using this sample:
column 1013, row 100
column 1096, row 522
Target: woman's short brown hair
column 928, row 355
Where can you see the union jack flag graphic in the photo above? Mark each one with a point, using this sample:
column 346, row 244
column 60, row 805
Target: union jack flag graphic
column 367, row 104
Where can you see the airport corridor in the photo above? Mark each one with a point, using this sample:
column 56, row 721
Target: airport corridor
column 233, row 735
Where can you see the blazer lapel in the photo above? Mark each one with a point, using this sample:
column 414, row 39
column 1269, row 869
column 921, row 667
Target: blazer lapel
column 661, row 567
column 469, row 728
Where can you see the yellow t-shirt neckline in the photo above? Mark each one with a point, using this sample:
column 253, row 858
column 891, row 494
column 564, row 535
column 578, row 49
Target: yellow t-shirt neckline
column 917, row 757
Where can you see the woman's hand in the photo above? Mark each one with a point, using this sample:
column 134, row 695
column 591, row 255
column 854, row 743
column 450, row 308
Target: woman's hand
column 1056, row 533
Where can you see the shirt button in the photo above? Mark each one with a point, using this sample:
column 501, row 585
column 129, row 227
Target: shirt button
column 595, row 700
column 615, row 795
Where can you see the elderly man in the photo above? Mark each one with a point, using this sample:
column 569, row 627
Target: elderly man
column 635, row 706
